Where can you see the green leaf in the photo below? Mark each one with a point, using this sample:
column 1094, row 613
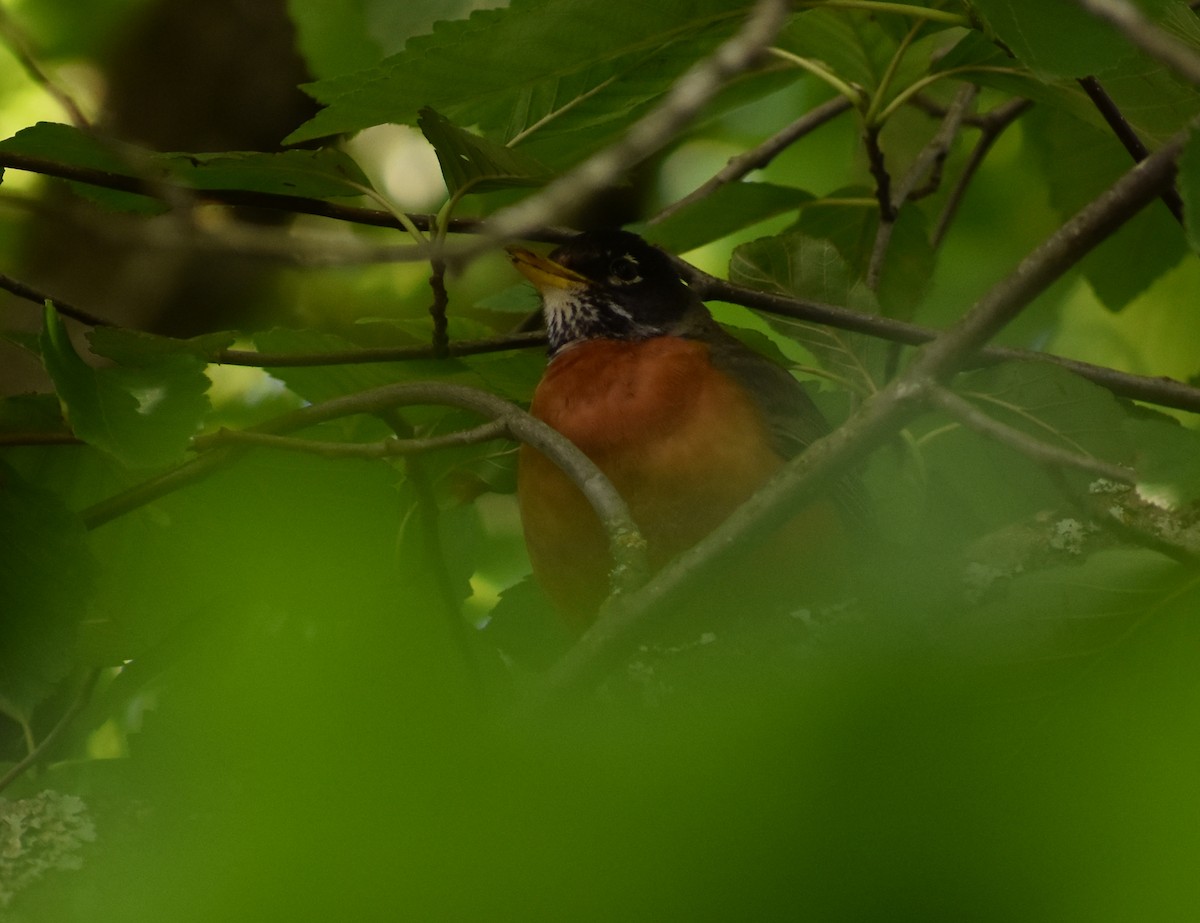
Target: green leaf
column 1167, row 460
column 728, row 210
column 315, row 174
column 909, row 263
column 142, row 413
column 802, row 267
column 1052, row 405
column 1079, row 162
column 1082, row 609
column 32, row 413
column 348, row 36
column 505, row 70
column 471, row 164
column 1055, row 39
column 845, row 42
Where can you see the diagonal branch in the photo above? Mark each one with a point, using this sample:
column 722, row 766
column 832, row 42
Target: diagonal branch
column 758, row 157
column 647, row 136
column 876, row 421
column 1127, row 136
column 992, row 125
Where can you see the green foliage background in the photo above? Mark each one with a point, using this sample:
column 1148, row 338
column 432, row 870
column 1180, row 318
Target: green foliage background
column 293, row 693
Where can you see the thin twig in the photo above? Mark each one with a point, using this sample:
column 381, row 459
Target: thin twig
column 300, row 205
column 992, row 124
column 29, row 293
column 1120, row 126
column 1165, row 392
column 927, row 164
column 18, row 43
column 387, row 448
column 758, row 157
column 437, row 309
column 879, row 171
column 970, row 416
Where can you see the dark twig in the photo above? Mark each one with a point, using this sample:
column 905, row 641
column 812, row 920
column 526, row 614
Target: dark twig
column 928, row 163
column 758, row 157
column 1127, row 136
column 21, row 290
column 299, row 205
column 437, row 310
column 883, row 180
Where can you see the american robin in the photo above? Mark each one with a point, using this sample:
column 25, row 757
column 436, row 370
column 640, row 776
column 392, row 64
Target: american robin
column 685, row 420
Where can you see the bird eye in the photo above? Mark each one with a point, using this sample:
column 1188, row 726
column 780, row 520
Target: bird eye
column 624, row 271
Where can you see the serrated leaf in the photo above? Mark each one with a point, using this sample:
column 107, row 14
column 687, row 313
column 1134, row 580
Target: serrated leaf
column 1167, row 461
column 731, row 208
column 802, row 267
column 1054, row 39
column 909, row 263
column 471, row 164
column 1079, row 162
column 143, row 413
column 133, row 347
column 505, row 70
column 315, row 174
column 1052, row 405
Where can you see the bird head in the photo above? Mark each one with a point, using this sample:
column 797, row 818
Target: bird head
column 606, row 285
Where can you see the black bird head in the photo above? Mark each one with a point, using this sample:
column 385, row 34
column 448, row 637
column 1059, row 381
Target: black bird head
column 607, row 285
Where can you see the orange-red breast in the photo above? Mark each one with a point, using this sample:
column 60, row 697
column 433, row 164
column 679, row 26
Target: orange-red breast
column 684, row 419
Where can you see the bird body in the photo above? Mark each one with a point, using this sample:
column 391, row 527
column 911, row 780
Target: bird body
column 685, row 420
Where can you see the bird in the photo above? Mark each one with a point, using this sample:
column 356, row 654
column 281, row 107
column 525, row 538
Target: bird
column 685, row 420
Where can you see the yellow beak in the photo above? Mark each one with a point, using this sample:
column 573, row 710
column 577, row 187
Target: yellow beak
column 544, row 273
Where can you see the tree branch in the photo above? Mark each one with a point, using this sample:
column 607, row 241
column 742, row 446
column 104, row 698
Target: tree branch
column 1127, row 136
column 877, row 420
column 387, row 448
column 927, row 163
column 626, row 544
column 758, row 157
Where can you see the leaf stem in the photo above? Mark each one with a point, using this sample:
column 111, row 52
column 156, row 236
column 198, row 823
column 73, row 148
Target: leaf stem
column 850, row 92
